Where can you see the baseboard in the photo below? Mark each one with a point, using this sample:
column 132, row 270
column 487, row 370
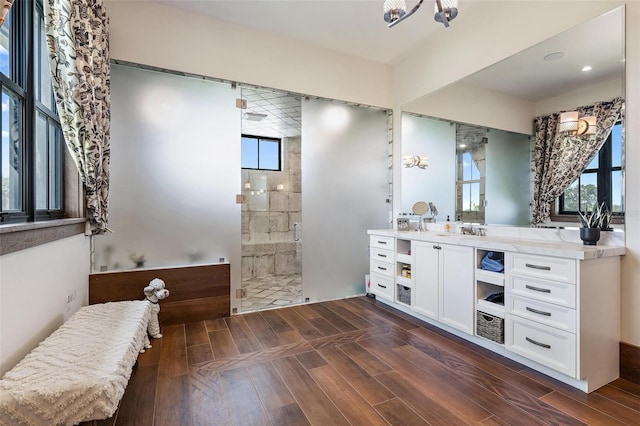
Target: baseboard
column 630, row 362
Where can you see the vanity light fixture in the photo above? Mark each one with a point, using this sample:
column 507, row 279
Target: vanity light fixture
column 421, row 161
column 572, row 124
column 395, row 11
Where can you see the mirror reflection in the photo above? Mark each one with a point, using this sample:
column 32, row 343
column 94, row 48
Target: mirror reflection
column 500, row 103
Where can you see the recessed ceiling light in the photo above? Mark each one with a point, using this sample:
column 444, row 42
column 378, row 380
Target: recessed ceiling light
column 462, row 145
column 553, row 56
column 587, row 68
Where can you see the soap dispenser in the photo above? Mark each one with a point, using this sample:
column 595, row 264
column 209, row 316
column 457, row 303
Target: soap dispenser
column 447, row 225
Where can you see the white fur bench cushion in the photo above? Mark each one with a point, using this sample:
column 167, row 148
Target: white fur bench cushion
column 80, row 372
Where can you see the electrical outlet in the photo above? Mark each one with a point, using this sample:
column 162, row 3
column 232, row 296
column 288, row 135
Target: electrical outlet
column 71, row 295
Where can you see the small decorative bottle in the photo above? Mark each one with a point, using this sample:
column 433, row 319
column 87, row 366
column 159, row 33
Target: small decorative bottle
column 447, row 226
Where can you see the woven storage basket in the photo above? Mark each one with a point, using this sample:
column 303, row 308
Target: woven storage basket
column 404, row 294
column 490, row 327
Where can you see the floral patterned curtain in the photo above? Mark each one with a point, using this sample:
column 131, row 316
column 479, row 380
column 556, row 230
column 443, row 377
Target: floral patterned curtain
column 560, row 159
column 5, row 5
column 78, row 40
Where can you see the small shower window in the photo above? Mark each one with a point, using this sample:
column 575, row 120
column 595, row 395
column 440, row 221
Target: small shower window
column 261, row 153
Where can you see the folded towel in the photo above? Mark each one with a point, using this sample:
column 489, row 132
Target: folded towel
column 488, row 263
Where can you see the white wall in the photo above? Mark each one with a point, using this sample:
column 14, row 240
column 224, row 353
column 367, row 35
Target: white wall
column 33, row 294
column 631, row 262
column 482, row 107
column 170, row 38
column 599, row 92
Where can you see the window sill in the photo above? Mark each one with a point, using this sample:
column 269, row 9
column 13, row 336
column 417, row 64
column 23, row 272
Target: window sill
column 21, row 236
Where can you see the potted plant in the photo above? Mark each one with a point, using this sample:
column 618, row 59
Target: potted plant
column 592, row 223
column 605, row 218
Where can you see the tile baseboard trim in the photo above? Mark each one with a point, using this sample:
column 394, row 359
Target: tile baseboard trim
column 630, row 362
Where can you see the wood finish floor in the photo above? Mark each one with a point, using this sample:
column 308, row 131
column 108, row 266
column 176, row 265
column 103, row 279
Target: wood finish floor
column 351, row 361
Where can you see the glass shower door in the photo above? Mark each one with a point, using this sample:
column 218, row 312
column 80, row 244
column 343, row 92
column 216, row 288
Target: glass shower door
column 272, row 199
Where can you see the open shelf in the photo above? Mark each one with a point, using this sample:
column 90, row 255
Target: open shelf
column 491, row 276
column 403, row 248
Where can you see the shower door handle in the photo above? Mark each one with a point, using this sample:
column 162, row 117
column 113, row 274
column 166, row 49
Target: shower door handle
column 296, row 232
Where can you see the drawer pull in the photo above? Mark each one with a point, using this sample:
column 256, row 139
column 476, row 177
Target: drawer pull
column 541, row 290
column 382, row 255
column 543, row 345
column 381, row 268
column 542, row 268
column 382, row 242
column 535, row 311
column 383, row 286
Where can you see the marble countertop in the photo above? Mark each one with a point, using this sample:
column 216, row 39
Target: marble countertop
column 518, row 245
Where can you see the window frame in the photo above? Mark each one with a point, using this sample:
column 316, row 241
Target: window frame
column 22, row 82
column 265, row 138
column 604, row 173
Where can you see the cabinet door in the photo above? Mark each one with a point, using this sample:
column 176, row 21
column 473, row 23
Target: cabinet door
column 456, row 291
column 425, row 275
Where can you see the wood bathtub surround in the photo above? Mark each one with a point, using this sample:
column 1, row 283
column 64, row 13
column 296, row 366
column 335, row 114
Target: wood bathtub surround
column 196, row 292
column 630, row 362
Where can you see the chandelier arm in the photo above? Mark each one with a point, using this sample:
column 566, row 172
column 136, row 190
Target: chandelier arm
column 442, row 13
column 397, row 21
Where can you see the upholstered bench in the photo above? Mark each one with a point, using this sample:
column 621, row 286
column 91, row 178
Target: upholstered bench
column 80, row 372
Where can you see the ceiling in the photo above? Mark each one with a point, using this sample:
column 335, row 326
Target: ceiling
column 356, row 27
column 598, row 43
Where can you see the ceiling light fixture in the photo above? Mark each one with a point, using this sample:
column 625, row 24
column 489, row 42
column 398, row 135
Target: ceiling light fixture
column 587, row 68
column 395, row 11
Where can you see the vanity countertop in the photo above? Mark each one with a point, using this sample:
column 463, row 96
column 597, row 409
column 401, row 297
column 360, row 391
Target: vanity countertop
column 518, row 245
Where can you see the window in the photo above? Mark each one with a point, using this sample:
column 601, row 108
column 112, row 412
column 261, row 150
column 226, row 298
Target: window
column 31, row 158
column 470, row 184
column 600, row 182
column 261, row 153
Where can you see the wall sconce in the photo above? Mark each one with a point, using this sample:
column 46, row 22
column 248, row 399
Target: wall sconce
column 572, row 124
column 422, row 161
column 395, row 11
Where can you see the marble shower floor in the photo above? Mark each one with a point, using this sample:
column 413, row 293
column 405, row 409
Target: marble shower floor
column 271, row 291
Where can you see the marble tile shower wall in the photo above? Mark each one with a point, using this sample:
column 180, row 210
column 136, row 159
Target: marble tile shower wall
column 273, row 205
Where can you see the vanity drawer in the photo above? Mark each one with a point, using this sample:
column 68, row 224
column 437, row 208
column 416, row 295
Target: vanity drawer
column 550, row 268
column 381, row 255
column 382, row 268
column 382, row 286
column 544, row 313
column 562, row 294
column 551, row 347
column 381, row 242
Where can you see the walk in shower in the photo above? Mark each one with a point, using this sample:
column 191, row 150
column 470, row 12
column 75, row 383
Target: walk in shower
column 272, row 199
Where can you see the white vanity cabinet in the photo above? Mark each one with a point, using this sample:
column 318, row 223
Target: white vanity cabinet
column 443, row 283
column 381, row 266
column 564, row 314
column 561, row 312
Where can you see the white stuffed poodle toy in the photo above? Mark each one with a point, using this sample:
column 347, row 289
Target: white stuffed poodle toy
column 153, row 292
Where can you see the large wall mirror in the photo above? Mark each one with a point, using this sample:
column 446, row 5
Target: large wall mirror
column 490, row 180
